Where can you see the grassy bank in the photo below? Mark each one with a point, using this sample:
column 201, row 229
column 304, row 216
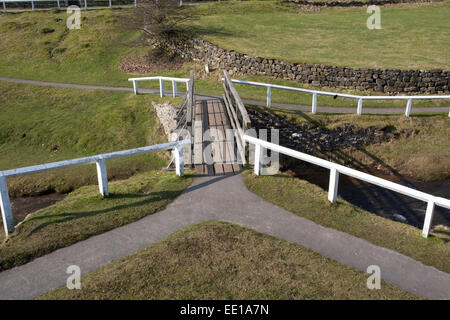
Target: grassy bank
column 422, row 155
column 84, row 213
column 92, row 54
column 52, row 124
column 225, row 262
column 412, row 36
column 311, row 202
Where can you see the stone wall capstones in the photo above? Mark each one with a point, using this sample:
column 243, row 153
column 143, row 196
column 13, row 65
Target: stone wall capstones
column 391, row 81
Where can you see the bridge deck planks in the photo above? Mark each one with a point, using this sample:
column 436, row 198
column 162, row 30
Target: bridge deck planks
column 211, row 139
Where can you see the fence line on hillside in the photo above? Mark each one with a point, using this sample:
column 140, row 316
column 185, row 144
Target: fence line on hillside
column 58, row 3
column 360, row 99
column 336, row 169
column 99, row 160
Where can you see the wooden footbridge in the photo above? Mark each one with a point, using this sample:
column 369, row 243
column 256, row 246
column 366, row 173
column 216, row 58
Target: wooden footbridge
column 216, row 127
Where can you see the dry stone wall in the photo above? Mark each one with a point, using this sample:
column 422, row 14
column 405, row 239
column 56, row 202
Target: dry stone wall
column 391, row 81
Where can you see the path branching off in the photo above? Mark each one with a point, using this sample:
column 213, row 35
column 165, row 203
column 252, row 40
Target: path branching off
column 223, row 198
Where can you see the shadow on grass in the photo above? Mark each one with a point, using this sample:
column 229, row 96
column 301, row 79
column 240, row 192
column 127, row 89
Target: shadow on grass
column 201, row 31
column 70, row 216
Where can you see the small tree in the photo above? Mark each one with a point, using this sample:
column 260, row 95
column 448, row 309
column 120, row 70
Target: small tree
column 161, row 21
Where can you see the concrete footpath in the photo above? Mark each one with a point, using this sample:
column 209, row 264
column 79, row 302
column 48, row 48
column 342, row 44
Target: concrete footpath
column 224, row 198
column 253, row 102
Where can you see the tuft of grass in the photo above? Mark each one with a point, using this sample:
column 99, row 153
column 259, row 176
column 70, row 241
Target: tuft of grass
column 84, row 213
column 216, row 260
column 311, row 202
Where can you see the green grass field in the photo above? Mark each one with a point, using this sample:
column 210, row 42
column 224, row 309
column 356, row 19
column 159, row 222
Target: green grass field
column 84, row 213
column 41, row 124
column 412, row 36
column 225, row 262
column 92, row 54
column 307, row 200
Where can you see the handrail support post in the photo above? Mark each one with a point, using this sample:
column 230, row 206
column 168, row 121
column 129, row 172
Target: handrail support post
column 408, row 107
column 179, row 160
column 258, row 159
column 135, row 87
column 333, row 186
column 428, row 219
column 174, row 88
column 360, row 103
column 314, row 103
column 161, row 88
column 5, row 205
column 102, row 177
column 269, row 96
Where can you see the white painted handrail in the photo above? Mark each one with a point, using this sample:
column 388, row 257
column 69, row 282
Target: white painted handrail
column 360, row 99
column 336, row 169
column 99, row 160
column 161, row 83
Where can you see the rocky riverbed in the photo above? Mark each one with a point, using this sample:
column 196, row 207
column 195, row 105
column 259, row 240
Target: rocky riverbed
column 309, row 137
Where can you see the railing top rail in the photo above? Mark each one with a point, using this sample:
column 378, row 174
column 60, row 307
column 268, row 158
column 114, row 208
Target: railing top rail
column 351, row 172
column 344, row 95
column 91, row 159
column 159, row 78
column 240, row 104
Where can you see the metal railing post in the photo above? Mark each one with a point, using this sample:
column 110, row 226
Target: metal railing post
column 408, row 107
column 110, row 3
column 4, row 6
column 359, row 110
column 179, row 160
column 135, row 3
column 59, row 6
column 428, row 219
column 314, row 103
column 269, row 96
column 174, row 88
column 102, row 177
column 333, row 186
column 258, row 159
column 5, row 205
column 135, row 87
column 32, row 5
column 85, row 4
column 161, row 88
